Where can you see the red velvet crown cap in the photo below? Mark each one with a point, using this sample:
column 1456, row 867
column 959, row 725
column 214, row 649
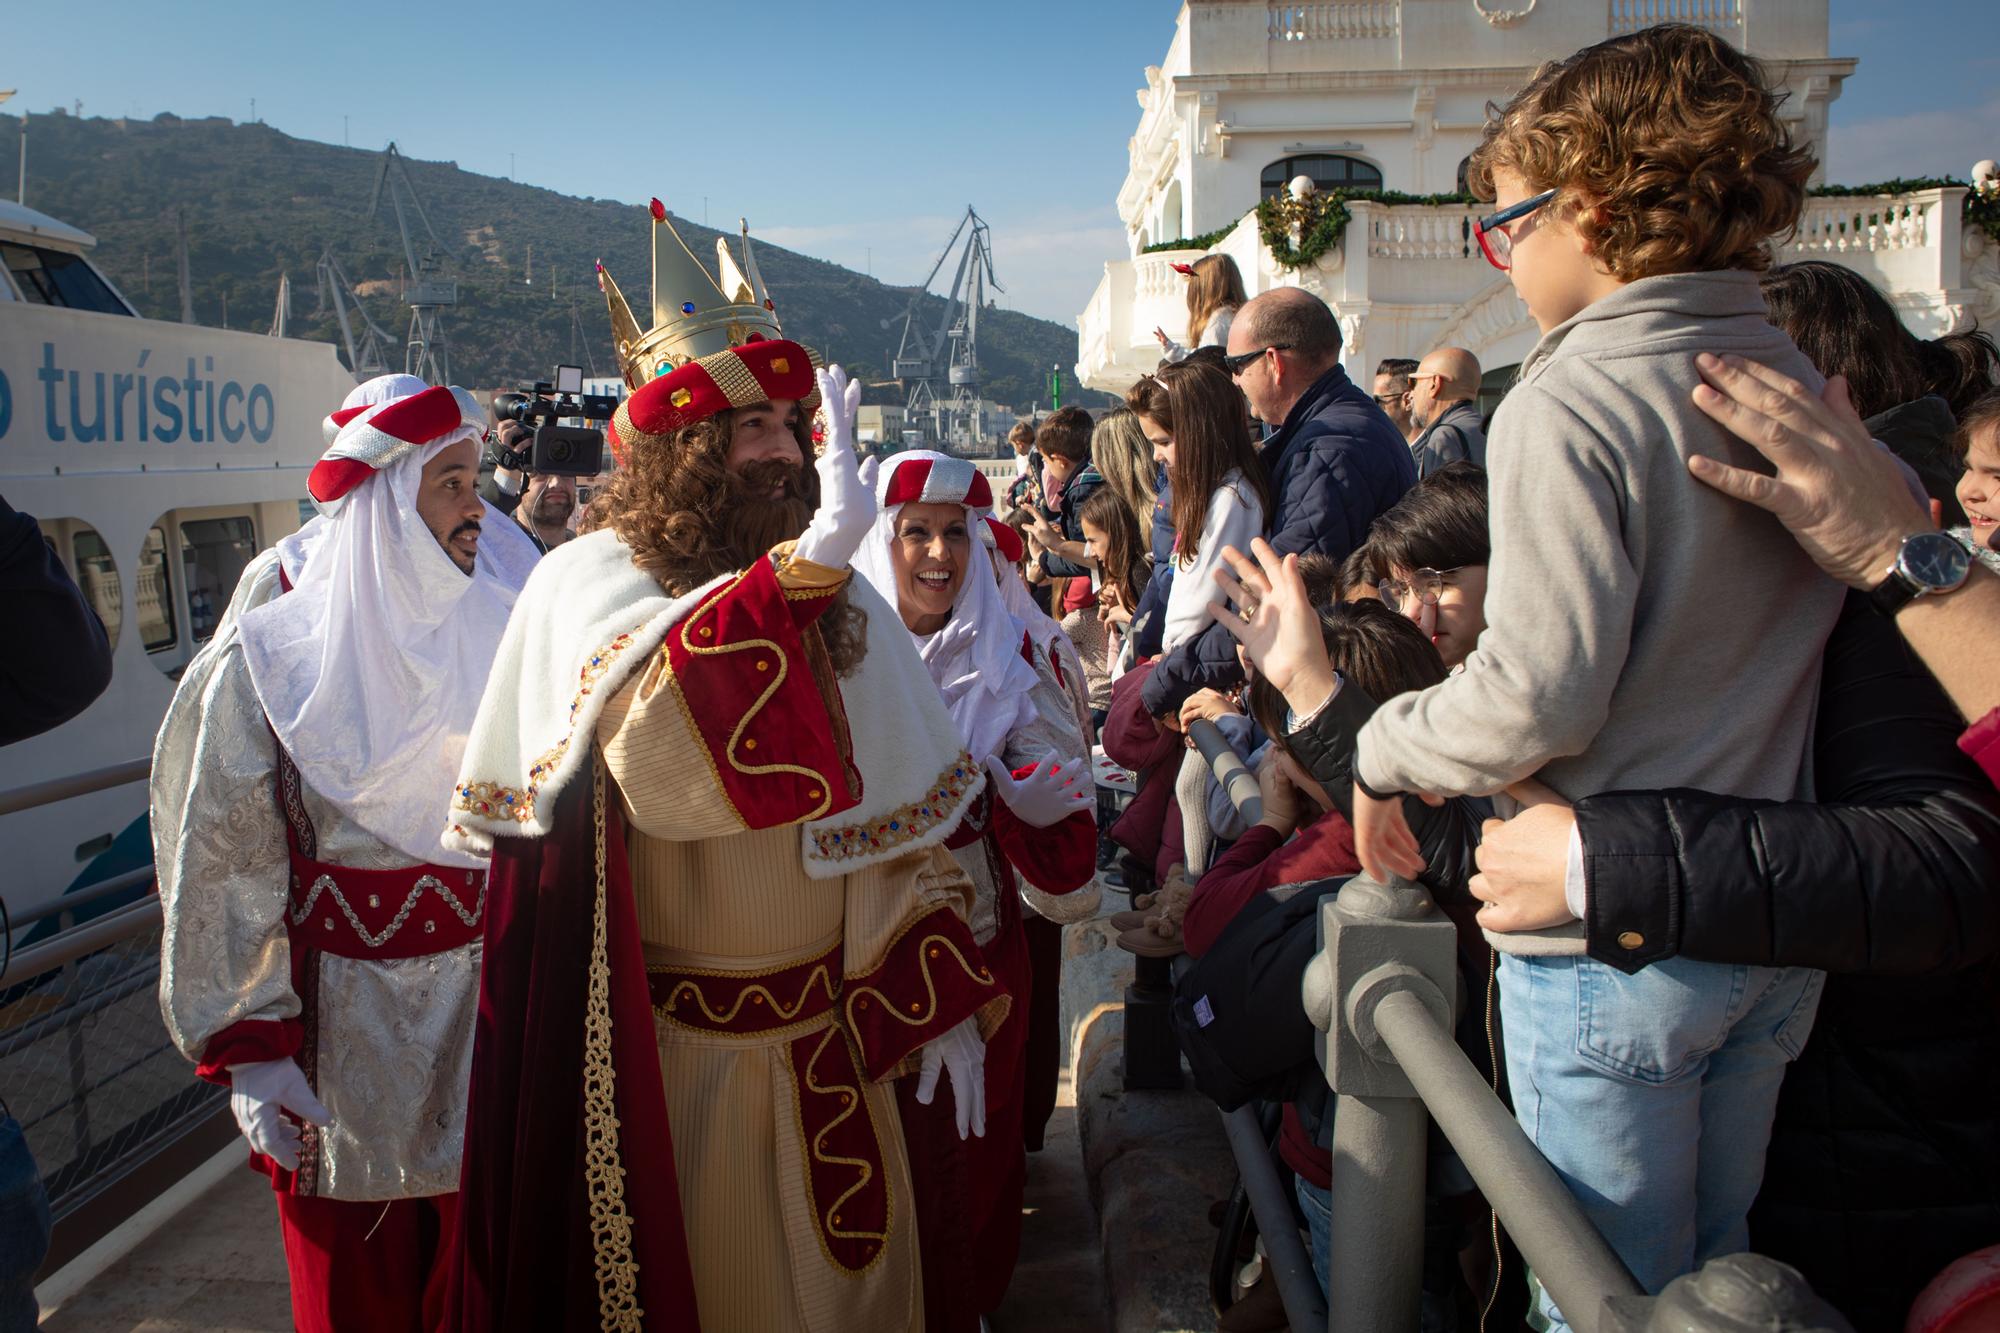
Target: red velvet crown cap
column 756, row 372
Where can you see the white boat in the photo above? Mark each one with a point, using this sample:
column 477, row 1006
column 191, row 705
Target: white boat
column 158, row 458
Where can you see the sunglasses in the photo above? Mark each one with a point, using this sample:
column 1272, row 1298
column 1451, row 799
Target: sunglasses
column 1497, row 244
column 1241, row 361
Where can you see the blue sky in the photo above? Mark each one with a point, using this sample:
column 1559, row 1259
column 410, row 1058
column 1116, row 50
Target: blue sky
column 853, row 132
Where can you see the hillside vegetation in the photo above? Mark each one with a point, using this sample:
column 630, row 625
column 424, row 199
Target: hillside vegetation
column 259, row 203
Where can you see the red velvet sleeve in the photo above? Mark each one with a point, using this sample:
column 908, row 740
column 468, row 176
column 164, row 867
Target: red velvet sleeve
column 1982, row 742
column 1056, row 859
column 252, row 1041
column 1227, row 888
column 1130, row 735
column 931, row 979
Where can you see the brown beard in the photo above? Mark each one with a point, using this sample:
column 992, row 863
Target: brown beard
column 689, row 519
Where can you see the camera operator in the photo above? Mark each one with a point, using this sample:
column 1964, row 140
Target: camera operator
column 542, row 503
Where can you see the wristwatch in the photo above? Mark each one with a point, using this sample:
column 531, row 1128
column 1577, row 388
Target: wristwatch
column 1927, row 564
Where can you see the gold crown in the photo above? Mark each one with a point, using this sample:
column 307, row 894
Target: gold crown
column 693, row 314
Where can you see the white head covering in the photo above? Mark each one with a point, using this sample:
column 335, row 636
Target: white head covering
column 294, row 549
column 371, row 668
column 975, row 659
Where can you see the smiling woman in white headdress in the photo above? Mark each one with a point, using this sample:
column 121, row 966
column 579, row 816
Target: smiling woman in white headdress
column 1035, row 834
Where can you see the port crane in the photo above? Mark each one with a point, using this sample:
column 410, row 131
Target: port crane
column 427, row 353
column 939, row 365
column 370, row 356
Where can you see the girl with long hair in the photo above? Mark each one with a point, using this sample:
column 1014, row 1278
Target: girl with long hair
column 1214, row 294
column 1120, row 451
column 1195, row 417
column 1112, row 530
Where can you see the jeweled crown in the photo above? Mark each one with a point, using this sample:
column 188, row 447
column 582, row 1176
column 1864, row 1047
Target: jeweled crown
column 693, row 314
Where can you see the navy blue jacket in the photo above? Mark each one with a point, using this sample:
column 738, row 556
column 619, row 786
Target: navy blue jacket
column 61, row 659
column 1080, row 486
column 1336, row 465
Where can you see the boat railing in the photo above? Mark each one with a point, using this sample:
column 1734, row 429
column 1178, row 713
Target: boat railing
column 111, row 1110
column 1382, row 992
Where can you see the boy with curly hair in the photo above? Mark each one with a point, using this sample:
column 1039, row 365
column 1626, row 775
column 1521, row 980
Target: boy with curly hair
column 1643, row 630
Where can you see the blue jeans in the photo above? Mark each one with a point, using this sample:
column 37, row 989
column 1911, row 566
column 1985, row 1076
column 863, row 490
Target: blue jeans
column 1652, row 1095
column 1317, row 1205
column 24, row 1229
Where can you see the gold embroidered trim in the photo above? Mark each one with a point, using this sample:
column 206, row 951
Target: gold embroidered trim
column 686, row 630
column 903, row 825
column 857, row 996
column 603, row 1172
column 494, row 800
column 812, row 1142
column 822, row 976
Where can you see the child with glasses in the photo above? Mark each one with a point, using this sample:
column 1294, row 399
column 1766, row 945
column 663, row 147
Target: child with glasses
column 1433, row 549
column 1639, row 183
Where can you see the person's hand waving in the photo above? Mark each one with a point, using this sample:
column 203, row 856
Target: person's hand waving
column 846, row 512
column 1276, row 624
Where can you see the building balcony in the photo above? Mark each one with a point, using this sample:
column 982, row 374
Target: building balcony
column 1409, row 278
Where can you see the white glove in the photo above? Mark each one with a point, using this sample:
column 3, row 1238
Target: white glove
column 1054, row 789
column 258, row 1092
column 871, row 471
column 963, row 1054
column 846, row 511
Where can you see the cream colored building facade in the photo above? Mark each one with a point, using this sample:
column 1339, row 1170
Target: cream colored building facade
column 1392, row 94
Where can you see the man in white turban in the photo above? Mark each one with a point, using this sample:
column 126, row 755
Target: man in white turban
column 321, row 950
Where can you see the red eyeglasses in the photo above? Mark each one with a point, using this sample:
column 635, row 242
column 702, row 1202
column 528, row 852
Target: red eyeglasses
column 1496, row 243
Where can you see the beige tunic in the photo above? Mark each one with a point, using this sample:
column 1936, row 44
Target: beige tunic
column 734, row 930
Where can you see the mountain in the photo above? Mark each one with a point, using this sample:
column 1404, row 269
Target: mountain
column 259, row 203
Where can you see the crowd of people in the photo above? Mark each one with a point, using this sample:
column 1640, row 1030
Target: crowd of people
column 661, row 926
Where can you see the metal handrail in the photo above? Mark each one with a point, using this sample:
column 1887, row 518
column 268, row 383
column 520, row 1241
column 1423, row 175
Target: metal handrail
column 76, row 784
column 79, row 941
column 88, row 896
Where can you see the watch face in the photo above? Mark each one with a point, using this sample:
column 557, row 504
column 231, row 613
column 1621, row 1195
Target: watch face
column 1936, row 561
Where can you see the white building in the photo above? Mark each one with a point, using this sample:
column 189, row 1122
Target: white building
column 1391, row 94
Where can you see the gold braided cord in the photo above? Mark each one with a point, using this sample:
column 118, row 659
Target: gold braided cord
column 604, row 1175
column 733, row 377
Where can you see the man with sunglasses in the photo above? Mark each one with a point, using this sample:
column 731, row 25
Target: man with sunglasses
column 1392, row 393
column 1444, row 406
column 1335, row 461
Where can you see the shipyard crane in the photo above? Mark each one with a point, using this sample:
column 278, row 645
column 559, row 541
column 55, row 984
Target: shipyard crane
column 940, row 366
column 428, row 354
column 370, row 357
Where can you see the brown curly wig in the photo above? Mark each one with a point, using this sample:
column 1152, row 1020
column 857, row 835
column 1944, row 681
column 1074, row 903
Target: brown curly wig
column 1666, row 147
column 688, row 518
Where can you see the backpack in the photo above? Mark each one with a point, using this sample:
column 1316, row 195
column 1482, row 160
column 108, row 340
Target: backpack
column 1237, row 1010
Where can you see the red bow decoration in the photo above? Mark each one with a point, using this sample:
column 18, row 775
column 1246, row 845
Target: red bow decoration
column 1185, row 270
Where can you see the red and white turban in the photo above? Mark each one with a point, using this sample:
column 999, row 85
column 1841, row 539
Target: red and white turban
column 367, row 437
column 975, row 660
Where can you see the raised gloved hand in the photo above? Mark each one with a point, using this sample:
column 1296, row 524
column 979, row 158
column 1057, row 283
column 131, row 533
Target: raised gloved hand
column 846, row 506
column 871, row 471
column 258, row 1092
column 1054, row 789
column 963, row 1055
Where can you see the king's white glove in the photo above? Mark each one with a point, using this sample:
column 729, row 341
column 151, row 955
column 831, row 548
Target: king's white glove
column 961, row 1053
column 1054, row 789
column 846, row 511
column 871, row 471
column 258, row 1092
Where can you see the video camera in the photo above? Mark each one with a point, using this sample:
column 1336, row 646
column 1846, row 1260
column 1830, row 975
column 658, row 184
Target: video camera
column 571, row 451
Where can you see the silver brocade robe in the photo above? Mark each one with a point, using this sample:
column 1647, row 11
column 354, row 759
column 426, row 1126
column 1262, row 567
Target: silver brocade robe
column 391, row 1040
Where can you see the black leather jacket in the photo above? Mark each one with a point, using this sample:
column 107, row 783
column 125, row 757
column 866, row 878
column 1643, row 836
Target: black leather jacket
column 1894, row 870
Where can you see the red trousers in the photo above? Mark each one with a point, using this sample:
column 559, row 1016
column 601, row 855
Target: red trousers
column 367, row 1267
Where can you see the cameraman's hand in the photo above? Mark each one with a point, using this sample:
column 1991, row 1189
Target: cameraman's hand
column 846, row 511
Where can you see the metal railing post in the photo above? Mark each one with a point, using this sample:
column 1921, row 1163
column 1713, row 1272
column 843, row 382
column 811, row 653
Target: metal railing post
column 1376, row 940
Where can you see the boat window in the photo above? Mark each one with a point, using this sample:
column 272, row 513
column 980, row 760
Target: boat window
column 213, row 554
column 153, row 595
column 54, row 277
column 1329, row 171
column 97, row 576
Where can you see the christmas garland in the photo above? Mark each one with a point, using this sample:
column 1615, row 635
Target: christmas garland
column 1321, row 220
column 1201, row 242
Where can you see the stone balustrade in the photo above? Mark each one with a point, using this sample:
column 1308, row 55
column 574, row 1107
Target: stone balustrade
column 1723, row 16
column 1343, row 20
column 1423, row 231
column 1410, row 277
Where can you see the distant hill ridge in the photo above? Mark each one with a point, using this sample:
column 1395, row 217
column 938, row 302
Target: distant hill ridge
column 260, row 202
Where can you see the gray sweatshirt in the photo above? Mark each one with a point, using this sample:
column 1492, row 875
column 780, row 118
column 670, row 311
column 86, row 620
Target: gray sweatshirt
column 1644, row 630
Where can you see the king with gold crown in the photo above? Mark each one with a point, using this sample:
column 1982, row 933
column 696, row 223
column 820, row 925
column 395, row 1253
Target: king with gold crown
column 715, row 782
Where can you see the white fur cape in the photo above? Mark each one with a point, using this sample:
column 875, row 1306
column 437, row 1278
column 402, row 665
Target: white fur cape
column 589, row 617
